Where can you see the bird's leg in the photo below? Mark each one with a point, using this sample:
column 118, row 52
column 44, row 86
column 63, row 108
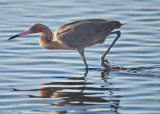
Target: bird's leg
column 102, row 58
column 84, row 60
column 81, row 52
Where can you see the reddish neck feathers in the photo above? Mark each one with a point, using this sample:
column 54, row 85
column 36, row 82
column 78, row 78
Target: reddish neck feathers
column 46, row 40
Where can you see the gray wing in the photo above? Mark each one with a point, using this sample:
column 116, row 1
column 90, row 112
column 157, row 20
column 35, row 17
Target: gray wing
column 83, row 33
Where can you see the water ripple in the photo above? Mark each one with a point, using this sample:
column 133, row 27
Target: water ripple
column 35, row 80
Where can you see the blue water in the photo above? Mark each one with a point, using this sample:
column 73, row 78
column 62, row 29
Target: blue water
column 36, row 81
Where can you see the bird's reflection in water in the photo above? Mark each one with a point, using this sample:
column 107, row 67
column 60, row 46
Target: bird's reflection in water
column 76, row 91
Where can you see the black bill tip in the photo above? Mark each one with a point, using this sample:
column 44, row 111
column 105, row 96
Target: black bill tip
column 13, row 37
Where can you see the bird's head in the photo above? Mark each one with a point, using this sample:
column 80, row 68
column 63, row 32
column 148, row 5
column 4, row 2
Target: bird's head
column 36, row 28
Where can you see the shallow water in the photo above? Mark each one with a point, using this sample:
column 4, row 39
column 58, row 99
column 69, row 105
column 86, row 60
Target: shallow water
column 34, row 80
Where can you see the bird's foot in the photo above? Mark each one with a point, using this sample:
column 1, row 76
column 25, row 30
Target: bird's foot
column 107, row 63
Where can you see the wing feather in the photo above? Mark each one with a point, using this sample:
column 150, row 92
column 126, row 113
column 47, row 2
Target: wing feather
column 81, row 34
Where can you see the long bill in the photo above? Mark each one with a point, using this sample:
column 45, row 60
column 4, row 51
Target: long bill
column 26, row 32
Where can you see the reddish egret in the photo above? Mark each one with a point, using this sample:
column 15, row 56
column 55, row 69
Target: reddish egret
column 76, row 35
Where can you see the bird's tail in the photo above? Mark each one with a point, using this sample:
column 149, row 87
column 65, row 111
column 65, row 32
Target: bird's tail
column 116, row 24
column 125, row 23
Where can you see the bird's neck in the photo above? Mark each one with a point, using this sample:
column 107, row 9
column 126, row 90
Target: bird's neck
column 46, row 41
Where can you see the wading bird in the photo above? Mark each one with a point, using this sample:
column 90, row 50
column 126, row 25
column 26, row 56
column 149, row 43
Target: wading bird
column 76, row 35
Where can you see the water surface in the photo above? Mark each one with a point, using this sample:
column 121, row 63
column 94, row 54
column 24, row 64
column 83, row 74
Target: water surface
column 34, row 80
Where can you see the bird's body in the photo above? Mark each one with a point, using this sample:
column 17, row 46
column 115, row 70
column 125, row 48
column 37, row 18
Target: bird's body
column 74, row 36
column 84, row 33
